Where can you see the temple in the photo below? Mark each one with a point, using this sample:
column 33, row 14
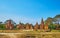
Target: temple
column 20, row 26
column 36, row 26
column 27, row 26
column 42, row 24
column 9, row 25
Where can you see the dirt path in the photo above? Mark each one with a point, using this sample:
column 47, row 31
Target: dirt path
column 11, row 35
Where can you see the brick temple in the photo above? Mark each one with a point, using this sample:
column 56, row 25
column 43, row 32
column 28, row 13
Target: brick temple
column 9, row 25
column 36, row 26
column 28, row 26
column 20, row 26
column 42, row 24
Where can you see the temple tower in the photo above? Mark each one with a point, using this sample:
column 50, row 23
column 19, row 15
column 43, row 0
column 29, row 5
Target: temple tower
column 42, row 24
column 30, row 26
column 27, row 26
column 46, row 26
column 36, row 26
column 20, row 26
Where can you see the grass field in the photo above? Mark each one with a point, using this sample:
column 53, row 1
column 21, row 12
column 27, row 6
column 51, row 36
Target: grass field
column 28, row 34
column 23, row 31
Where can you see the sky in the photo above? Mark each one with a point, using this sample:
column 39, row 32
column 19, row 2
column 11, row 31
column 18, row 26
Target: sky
column 28, row 11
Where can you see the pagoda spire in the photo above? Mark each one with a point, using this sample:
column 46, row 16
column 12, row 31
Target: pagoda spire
column 42, row 24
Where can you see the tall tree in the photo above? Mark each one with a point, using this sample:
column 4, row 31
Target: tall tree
column 49, row 20
column 57, row 19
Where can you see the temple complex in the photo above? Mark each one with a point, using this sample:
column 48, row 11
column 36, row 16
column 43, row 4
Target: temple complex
column 28, row 26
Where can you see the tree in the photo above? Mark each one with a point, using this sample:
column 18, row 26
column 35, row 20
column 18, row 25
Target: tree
column 1, row 22
column 57, row 19
column 49, row 20
column 21, row 23
column 2, row 26
column 11, row 21
column 52, row 26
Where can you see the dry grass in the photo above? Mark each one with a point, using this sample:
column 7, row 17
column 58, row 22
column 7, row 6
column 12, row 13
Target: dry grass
column 29, row 34
column 4, row 36
column 40, row 35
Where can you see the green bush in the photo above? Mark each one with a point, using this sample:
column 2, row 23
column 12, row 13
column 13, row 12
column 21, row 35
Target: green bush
column 52, row 26
column 2, row 27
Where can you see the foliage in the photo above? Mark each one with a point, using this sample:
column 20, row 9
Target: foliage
column 49, row 20
column 57, row 19
column 52, row 26
column 52, row 21
column 2, row 26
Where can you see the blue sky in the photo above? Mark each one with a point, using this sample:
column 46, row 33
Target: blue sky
column 30, row 11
